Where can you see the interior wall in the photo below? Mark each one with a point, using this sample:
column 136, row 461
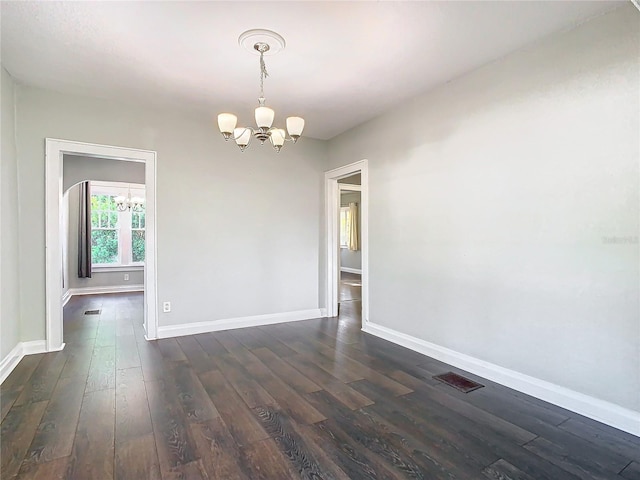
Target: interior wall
column 98, row 278
column 351, row 258
column 229, row 242
column 504, row 218
column 77, row 168
column 9, row 245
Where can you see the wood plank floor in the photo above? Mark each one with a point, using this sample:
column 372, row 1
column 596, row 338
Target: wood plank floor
column 314, row 399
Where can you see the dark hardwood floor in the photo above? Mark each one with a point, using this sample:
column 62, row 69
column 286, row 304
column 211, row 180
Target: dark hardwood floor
column 350, row 287
column 313, row 399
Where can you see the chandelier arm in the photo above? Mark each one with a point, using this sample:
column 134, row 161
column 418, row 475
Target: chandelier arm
column 244, row 129
column 254, row 131
column 285, row 135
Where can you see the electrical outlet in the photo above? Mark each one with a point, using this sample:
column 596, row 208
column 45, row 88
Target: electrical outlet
column 126, row 276
column 166, row 307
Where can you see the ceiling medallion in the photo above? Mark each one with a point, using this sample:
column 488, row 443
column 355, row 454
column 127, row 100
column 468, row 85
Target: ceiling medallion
column 263, row 43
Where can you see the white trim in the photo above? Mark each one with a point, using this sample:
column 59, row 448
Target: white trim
column 351, row 270
column 36, row 346
column 102, row 290
column 332, row 230
column 347, row 187
column 136, row 267
column 10, row 362
column 55, row 149
column 66, row 297
column 323, row 312
column 606, row 412
column 169, row 331
column 18, row 352
column 123, row 187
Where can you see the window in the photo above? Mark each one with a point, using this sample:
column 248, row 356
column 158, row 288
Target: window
column 117, row 238
column 137, row 235
column 345, row 226
column 104, row 230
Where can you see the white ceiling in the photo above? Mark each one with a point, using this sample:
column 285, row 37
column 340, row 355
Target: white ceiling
column 345, row 62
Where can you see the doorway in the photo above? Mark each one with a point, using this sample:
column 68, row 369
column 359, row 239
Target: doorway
column 350, row 258
column 55, row 152
column 345, row 282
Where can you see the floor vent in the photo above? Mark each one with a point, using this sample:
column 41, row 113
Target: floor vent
column 458, row 382
column 92, row 312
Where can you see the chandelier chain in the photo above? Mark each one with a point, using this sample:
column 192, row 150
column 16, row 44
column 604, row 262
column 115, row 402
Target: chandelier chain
column 263, row 74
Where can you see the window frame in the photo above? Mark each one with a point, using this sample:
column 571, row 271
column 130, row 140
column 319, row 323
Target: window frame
column 125, row 235
column 347, row 213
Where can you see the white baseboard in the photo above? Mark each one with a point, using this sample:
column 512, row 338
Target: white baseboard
column 66, row 296
column 323, row 312
column 35, row 346
column 605, row 412
column 10, row 362
column 169, row 331
column 351, row 270
column 98, row 290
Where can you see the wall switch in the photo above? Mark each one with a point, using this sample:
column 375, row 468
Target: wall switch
column 126, row 276
column 166, row 307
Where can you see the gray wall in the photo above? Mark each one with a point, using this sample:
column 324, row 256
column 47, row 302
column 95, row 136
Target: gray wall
column 353, row 179
column 9, row 271
column 349, row 258
column 504, row 217
column 77, row 169
column 98, row 279
column 225, row 247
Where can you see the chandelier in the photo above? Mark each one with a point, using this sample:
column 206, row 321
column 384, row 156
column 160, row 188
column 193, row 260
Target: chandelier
column 129, row 203
column 265, row 42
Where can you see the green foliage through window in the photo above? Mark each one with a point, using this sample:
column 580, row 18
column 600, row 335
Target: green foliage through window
column 104, row 246
column 137, row 246
column 137, row 234
column 104, row 229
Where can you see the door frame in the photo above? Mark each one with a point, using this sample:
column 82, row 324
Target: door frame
column 55, row 150
column 332, row 217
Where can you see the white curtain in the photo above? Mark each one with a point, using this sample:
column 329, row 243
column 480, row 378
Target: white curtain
column 354, row 234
